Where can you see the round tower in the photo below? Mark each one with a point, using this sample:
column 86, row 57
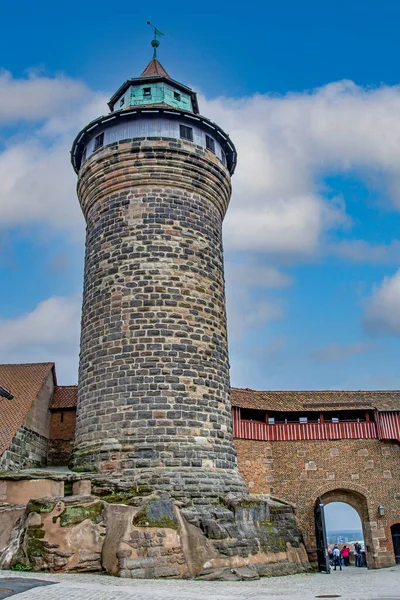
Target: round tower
column 154, row 183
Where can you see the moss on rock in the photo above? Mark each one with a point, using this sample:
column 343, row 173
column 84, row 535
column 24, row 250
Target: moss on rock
column 72, row 515
column 40, row 506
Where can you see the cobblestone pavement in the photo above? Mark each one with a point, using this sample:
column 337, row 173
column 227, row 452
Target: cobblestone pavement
column 349, row 584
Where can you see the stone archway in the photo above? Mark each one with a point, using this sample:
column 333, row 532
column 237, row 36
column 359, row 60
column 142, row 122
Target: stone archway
column 358, row 501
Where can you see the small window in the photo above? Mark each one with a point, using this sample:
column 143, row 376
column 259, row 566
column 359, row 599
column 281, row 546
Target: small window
column 98, row 141
column 271, row 420
column 223, row 158
column 62, row 417
column 210, row 144
column 122, row 102
column 177, row 96
column 186, row 133
column 146, row 91
column 84, row 156
column 303, row 420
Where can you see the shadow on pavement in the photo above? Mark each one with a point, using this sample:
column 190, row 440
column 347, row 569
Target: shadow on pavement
column 16, row 585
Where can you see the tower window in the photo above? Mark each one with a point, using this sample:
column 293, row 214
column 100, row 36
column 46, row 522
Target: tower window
column 186, row 133
column 146, row 91
column 98, row 141
column 177, row 96
column 84, row 155
column 122, row 102
column 223, row 158
column 210, row 144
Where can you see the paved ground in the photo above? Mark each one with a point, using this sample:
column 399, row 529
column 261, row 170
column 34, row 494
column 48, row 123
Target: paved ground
column 9, row 586
column 349, row 584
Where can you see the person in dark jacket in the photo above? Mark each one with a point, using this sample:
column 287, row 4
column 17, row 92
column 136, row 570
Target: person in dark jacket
column 357, row 555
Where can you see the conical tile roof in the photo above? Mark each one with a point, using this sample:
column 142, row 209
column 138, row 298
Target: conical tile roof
column 154, row 69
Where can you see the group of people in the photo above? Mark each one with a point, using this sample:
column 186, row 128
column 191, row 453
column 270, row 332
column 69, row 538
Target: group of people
column 339, row 557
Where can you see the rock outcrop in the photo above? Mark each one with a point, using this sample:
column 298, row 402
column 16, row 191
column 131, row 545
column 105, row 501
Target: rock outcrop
column 152, row 536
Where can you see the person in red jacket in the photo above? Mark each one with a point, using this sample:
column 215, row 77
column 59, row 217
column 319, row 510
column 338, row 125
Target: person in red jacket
column 345, row 554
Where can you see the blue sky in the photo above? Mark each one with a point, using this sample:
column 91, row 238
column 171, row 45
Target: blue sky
column 308, row 91
column 341, row 517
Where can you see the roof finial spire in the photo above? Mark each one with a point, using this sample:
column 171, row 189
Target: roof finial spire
column 155, row 42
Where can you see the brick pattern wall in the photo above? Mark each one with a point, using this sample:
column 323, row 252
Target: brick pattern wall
column 154, row 372
column 363, row 473
column 62, row 434
column 27, row 449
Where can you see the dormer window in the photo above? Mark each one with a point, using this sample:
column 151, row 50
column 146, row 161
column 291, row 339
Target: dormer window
column 177, row 96
column 98, row 141
column 186, row 133
column 146, row 91
column 122, row 102
column 210, row 144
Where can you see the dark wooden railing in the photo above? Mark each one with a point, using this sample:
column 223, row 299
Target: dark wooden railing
column 256, row 430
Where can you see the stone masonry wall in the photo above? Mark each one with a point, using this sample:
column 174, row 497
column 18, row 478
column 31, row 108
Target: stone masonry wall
column 154, row 372
column 27, row 449
column 363, row 473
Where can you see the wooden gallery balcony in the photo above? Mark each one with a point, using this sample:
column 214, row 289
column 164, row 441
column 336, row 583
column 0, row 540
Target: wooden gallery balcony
column 286, row 421
column 273, row 432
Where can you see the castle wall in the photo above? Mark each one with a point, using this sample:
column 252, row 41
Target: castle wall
column 154, row 372
column 29, row 446
column 62, row 435
column 38, row 416
column 363, row 473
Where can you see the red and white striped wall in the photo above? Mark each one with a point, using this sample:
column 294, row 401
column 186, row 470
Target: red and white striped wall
column 386, row 426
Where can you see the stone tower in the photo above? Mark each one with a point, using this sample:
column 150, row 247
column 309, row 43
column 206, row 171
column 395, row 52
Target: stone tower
column 154, row 183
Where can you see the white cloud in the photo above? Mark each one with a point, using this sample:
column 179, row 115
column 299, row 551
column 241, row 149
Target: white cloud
column 382, row 309
column 37, row 182
column 38, row 97
column 256, row 275
column 37, row 186
column 363, row 251
column 287, row 225
column 287, row 144
column 337, row 352
column 247, row 310
column 50, row 332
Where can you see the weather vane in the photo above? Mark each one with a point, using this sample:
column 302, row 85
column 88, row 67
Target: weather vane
column 155, row 42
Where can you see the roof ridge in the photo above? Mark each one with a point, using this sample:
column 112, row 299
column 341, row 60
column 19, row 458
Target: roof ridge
column 315, row 391
column 71, row 385
column 26, row 364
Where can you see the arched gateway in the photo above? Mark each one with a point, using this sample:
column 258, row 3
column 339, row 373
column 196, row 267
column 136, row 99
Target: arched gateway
column 359, row 502
column 336, row 446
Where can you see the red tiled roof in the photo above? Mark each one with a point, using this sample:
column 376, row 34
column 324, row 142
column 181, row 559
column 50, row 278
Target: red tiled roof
column 315, row 400
column 65, row 396
column 154, row 69
column 24, row 382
